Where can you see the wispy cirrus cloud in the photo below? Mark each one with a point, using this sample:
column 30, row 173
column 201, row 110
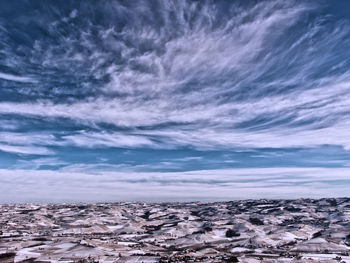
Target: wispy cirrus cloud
column 38, row 163
column 313, row 106
column 11, row 77
column 303, row 122
column 60, row 186
column 20, row 149
column 28, row 143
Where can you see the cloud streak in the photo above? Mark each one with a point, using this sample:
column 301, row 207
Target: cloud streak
column 10, row 77
column 59, row 186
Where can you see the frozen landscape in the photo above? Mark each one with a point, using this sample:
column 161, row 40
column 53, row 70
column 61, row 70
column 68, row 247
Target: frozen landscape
column 303, row 230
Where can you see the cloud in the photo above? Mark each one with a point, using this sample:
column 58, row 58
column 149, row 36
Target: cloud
column 32, row 150
column 205, row 127
column 213, row 81
column 39, row 163
column 28, row 138
column 28, row 143
column 11, row 77
column 59, row 186
column 104, row 139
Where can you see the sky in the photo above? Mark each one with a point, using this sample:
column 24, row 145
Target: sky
column 174, row 100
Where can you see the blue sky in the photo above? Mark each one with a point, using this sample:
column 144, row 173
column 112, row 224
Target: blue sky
column 174, row 100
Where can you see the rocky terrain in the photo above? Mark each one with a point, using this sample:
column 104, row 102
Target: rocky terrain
column 303, row 230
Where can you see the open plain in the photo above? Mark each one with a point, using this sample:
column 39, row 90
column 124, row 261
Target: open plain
column 303, row 230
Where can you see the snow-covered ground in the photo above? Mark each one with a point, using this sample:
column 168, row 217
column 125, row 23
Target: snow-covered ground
column 303, row 230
